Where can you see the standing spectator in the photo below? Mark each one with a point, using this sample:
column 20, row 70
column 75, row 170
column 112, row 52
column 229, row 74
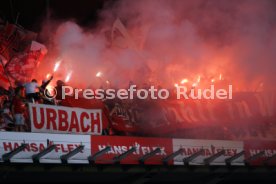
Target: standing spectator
column 7, row 115
column 58, row 88
column 31, row 91
column 18, row 110
column 44, row 91
column 45, row 84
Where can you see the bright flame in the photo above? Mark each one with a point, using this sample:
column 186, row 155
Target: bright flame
column 48, row 76
column 176, row 85
column 220, row 76
column 57, row 64
column 194, row 84
column 49, row 87
column 184, row 81
column 107, row 82
column 68, row 76
column 213, row 80
column 198, row 79
column 99, row 74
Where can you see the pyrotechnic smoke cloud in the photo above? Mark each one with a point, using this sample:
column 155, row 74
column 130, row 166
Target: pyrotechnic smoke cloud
column 173, row 40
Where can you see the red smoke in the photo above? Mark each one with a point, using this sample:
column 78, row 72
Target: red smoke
column 231, row 41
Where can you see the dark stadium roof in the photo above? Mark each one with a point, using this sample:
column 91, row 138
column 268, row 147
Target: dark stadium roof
column 33, row 12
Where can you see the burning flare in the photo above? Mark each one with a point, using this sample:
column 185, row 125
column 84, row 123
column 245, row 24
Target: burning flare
column 198, row 79
column 57, row 64
column 99, row 74
column 194, row 85
column 184, row 81
column 48, row 75
column 68, row 76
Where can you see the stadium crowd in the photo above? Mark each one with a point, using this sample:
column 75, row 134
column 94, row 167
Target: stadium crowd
column 14, row 114
column 13, row 103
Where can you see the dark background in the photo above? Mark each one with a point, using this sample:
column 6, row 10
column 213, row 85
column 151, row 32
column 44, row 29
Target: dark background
column 33, row 12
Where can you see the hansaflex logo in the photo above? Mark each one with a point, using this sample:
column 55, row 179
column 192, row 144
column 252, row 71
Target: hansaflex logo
column 209, row 151
column 140, row 150
column 38, row 147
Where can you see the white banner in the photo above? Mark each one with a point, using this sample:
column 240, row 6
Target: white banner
column 36, row 142
column 210, row 147
column 60, row 119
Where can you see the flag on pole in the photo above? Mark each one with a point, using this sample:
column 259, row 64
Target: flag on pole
column 120, row 36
